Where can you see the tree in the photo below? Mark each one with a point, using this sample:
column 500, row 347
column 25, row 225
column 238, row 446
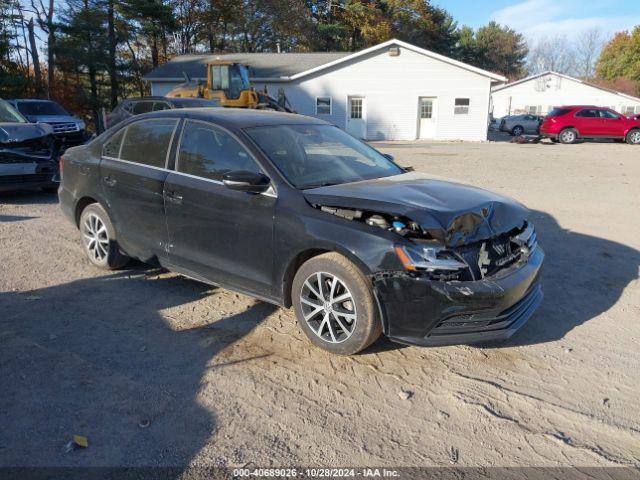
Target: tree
column 587, row 47
column 551, row 54
column 501, row 50
column 424, row 25
column 620, row 58
column 45, row 17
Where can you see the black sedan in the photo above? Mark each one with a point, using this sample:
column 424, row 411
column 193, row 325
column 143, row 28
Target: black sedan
column 294, row 211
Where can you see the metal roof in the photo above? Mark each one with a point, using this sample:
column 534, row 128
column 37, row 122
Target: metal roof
column 261, row 65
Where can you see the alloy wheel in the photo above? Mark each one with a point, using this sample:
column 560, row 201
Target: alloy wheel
column 96, row 237
column 328, row 307
column 568, row 136
column 635, row 137
column 517, row 131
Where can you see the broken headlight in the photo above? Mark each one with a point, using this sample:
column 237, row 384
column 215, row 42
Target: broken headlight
column 428, row 258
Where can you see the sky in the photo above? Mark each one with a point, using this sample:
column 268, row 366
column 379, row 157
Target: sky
column 540, row 18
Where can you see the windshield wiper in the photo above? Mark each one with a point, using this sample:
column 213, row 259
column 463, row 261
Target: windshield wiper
column 318, row 185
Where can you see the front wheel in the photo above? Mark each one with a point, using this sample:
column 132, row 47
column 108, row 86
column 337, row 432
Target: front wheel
column 568, row 136
column 517, row 131
column 99, row 238
column 633, row 137
column 334, row 305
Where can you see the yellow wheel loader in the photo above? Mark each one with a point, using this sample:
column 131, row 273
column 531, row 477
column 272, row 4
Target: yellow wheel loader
column 229, row 83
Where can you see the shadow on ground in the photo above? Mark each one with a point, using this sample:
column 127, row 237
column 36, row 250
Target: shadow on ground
column 94, row 357
column 583, row 276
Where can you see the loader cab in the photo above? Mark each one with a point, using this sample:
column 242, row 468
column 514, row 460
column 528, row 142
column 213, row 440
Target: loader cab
column 231, row 78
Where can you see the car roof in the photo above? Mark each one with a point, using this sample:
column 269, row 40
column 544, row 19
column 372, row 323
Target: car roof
column 238, row 117
column 31, row 100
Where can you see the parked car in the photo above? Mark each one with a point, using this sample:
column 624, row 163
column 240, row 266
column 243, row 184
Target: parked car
column 294, row 211
column 570, row 123
column 28, row 155
column 137, row 106
column 518, row 125
column 68, row 129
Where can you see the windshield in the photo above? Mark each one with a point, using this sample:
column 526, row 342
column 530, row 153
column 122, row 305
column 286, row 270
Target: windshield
column 8, row 114
column 318, row 155
column 41, row 108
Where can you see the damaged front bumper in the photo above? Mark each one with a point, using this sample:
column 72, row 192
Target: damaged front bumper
column 420, row 311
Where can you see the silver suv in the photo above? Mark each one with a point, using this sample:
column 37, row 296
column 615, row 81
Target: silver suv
column 518, row 125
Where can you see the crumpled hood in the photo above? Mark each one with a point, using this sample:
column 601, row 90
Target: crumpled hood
column 453, row 213
column 11, row 133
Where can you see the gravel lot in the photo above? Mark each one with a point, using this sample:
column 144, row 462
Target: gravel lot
column 156, row 369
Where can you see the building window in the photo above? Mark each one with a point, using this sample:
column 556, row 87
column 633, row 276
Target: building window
column 323, row 106
column 462, row 106
column 426, row 108
column 356, row 108
column 533, row 109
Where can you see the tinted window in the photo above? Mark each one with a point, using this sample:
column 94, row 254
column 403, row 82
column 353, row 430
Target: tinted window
column 161, row 106
column 316, row 155
column 194, row 102
column 111, row 148
column 142, row 107
column 41, row 108
column 8, row 114
column 558, row 112
column 209, row 152
column 588, row 113
column 608, row 114
column 147, row 142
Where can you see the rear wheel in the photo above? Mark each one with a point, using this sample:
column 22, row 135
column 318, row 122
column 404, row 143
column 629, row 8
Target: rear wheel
column 568, row 135
column 334, row 305
column 517, row 131
column 99, row 238
column 633, row 137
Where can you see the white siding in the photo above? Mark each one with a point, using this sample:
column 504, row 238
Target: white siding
column 551, row 91
column 391, row 86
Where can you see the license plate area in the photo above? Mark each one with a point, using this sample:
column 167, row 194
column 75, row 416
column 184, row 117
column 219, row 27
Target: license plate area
column 18, row 168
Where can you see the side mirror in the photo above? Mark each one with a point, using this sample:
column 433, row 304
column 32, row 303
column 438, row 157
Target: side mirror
column 388, row 156
column 244, row 181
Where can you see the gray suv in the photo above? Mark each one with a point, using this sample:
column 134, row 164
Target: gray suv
column 518, row 125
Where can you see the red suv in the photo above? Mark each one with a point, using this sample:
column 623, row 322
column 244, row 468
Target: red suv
column 568, row 124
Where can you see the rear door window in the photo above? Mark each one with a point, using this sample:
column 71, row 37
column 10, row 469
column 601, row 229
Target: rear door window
column 161, row 106
column 111, row 148
column 147, row 142
column 209, row 152
column 588, row 113
column 142, row 107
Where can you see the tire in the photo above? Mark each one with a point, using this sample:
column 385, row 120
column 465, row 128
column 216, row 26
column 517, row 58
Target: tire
column 98, row 238
column 633, row 137
column 568, row 136
column 517, row 131
column 345, row 327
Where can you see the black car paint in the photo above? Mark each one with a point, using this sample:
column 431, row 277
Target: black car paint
column 27, row 143
column 253, row 243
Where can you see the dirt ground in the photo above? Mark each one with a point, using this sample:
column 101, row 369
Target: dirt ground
column 156, row 369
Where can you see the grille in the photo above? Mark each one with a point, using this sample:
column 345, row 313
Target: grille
column 11, row 179
column 64, row 127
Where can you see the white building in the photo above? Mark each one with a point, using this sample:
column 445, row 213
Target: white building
column 391, row 91
column 540, row 93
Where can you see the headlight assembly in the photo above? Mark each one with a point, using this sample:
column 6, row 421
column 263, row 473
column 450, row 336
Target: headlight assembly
column 431, row 259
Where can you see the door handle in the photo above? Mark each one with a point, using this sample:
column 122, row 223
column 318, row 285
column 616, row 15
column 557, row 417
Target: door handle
column 109, row 181
column 174, row 197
